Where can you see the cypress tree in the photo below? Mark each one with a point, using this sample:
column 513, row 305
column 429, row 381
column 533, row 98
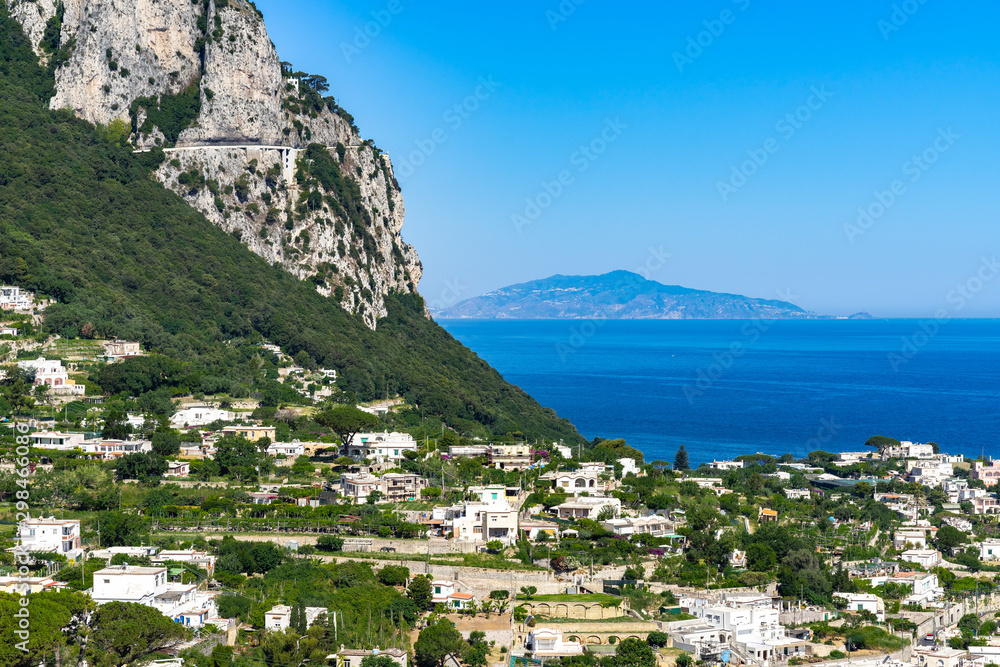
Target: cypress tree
column 681, row 460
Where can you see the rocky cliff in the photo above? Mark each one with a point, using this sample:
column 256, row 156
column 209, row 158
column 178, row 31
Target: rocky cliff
column 255, row 146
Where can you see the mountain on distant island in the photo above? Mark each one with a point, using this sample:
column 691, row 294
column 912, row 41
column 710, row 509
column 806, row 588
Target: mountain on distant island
column 620, row 295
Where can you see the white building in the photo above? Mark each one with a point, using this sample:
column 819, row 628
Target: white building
column 385, row 447
column 916, row 538
column 628, row 467
column 961, row 524
column 753, row 624
column 15, row 584
column 177, row 469
column 588, row 507
column 626, row 526
column 797, row 494
column 200, row 415
column 930, row 473
column 578, row 481
column 446, row 592
column 864, row 602
column 288, row 449
column 989, row 550
column 109, row 450
column 549, row 642
column 201, row 559
column 51, row 373
column 726, row 465
column 183, row 603
column 924, row 557
column 909, row 450
column 939, row 656
column 14, row 298
column 565, row 451
column 51, row 535
column 56, row 440
column 279, row 618
column 485, row 522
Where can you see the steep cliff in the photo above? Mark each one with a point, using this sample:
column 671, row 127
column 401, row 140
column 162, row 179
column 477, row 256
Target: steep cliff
column 202, row 80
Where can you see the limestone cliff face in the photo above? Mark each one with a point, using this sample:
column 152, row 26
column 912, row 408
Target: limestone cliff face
column 202, row 79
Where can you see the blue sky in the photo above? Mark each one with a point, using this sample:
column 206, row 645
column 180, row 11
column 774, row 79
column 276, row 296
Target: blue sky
column 739, row 137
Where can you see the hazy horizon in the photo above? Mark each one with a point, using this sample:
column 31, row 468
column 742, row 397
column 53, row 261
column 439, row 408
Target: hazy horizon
column 844, row 154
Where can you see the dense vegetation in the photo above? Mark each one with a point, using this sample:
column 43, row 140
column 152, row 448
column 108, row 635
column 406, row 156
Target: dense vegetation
column 81, row 220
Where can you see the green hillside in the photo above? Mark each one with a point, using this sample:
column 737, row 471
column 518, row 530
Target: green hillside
column 83, row 221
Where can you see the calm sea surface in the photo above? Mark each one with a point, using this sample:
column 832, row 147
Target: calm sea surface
column 724, row 387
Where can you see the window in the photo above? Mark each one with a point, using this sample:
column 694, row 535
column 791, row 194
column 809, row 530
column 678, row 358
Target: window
column 107, row 581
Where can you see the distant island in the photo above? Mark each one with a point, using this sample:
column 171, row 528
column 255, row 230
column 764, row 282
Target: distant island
column 621, row 295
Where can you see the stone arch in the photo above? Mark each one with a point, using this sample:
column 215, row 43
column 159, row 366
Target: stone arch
column 573, row 638
column 593, row 639
column 543, row 609
column 561, row 611
column 579, row 611
column 593, row 483
column 580, row 482
column 613, row 639
column 633, row 637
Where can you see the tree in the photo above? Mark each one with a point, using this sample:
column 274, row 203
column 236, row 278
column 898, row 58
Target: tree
column 295, row 617
column 761, row 557
column 681, row 462
column 419, row 591
column 329, row 543
column 949, row 538
column 121, row 530
column 528, row 591
column 393, row 575
column 302, row 466
column 346, row 421
column 881, row 442
column 968, row 625
column 116, row 426
column 166, row 443
column 141, row 466
column 125, row 631
column 634, row 652
column 500, row 594
column 657, row 639
column 436, row 642
column 684, row 660
column 236, row 456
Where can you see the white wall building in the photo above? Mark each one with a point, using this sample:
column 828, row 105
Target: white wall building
column 52, row 374
column 279, row 618
column 200, row 415
column 864, row 602
column 924, row 557
column 485, row 522
column 627, row 526
column 385, row 447
column 183, row 603
column 989, row 550
column 588, row 507
column 56, row 440
column 549, row 642
column 578, row 481
column 51, row 535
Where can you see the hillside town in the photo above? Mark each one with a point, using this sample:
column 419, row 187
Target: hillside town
column 369, row 536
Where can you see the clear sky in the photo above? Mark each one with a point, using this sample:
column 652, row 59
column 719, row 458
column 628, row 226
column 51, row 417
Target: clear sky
column 738, row 137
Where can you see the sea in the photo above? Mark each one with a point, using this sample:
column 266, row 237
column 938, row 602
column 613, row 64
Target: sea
column 723, row 388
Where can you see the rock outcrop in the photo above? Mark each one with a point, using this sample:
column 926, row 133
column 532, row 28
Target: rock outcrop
column 202, row 80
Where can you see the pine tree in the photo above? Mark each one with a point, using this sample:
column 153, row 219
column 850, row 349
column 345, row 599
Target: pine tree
column 681, row 460
column 295, row 619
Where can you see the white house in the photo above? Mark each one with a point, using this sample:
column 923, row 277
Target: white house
column 183, row 603
column 485, row 522
column 112, row 449
column 726, row 465
column 279, row 618
column 924, row 557
column 588, row 507
column 939, row 656
column 797, row 494
column 200, row 415
column 754, row 624
column 565, row 451
column 51, row 535
column 51, row 373
column 549, row 642
column 626, row 526
column 289, row 449
column 989, row 550
column 14, row 298
column 446, row 592
column 864, row 602
column 578, row 481
column 628, row 467
column 386, row 447
column 56, row 440
column 178, row 469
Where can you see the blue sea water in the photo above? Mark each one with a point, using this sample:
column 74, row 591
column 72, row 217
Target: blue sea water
column 729, row 387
